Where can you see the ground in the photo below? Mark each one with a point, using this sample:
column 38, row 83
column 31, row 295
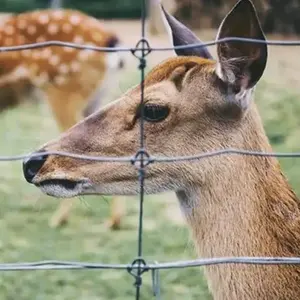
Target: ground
column 24, row 214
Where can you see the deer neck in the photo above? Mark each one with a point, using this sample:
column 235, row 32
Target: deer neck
column 246, row 208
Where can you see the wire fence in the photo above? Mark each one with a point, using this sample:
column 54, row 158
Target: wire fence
column 139, row 265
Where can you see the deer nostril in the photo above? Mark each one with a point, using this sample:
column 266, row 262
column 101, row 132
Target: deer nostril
column 32, row 165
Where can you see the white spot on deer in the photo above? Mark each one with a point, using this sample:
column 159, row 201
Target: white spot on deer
column 53, row 28
column 9, row 30
column 31, row 29
column 78, row 39
column 91, row 45
column 36, row 54
column 68, row 49
column 84, row 54
column 21, row 39
column 21, row 72
column 41, row 39
column 75, row 66
column 75, row 20
column 41, row 79
column 43, row 19
column 97, row 37
column 54, row 60
column 46, row 53
column 63, row 68
column 44, row 76
column 67, row 28
column 59, row 80
column 92, row 22
column 26, row 53
column 58, row 14
column 22, row 24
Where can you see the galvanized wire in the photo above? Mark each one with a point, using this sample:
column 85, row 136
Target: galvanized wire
column 139, row 49
column 65, row 265
column 148, row 159
column 140, row 154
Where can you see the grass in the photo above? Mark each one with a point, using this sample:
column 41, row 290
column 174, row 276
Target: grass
column 24, row 214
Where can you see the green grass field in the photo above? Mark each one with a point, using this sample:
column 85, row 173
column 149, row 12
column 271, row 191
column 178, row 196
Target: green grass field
column 24, row 214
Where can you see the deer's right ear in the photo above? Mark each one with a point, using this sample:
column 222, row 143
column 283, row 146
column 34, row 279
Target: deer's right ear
column 183, row 36
column 241, row 64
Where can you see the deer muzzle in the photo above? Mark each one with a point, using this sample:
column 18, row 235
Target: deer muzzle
column 60, row 187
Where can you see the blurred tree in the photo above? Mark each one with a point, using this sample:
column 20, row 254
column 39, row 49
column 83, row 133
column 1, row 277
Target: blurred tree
column 56, row 3
column 277, row 16
column 21, row 5
column 123, row 9
column 104, row 9
column 283, row 17
column 209, row 13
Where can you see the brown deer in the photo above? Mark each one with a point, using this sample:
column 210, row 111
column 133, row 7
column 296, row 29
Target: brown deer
column 235, row 205
column 73, row 81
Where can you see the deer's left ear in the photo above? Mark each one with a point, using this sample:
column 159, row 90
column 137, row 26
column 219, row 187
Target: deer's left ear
column 183, row 36
column 241, row 64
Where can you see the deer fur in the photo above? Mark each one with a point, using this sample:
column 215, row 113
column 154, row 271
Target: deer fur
column 73, row 81
column 234, row 205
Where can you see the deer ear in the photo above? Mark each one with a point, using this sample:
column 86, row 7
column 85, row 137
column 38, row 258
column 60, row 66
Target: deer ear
column 241, row 64
column 182, row 36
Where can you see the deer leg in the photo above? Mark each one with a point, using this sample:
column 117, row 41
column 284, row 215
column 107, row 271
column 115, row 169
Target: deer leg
column 61, row 215
column 94, row 103
column 117, row 211
column 65, row 113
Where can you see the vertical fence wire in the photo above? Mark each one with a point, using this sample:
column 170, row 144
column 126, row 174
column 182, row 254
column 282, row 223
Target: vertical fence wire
column 141, row 170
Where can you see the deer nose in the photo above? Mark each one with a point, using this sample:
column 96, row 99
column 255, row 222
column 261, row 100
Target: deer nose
column 32, row 165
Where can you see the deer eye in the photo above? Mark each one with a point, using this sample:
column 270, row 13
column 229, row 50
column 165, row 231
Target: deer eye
column 155, row 113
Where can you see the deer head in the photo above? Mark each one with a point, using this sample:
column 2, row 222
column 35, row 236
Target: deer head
column 193, row 104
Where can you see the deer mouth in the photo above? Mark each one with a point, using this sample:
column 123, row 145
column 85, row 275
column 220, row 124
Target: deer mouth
column 63, row 188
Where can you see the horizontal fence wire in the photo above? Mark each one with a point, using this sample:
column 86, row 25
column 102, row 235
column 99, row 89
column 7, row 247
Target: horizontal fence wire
column 137, row 49
column 65, row 265
column 139, row 266
column 151, row 159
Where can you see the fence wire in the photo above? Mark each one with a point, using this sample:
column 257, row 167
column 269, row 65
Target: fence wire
column 139, row 265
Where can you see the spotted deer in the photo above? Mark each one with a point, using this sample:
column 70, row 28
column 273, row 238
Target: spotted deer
column 235, row 205
column 73, row 81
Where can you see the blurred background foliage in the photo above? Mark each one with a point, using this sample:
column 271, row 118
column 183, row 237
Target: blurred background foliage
column 277, row 16
column 97, row 8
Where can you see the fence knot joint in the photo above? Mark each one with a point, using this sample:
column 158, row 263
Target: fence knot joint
column 136, row 269
column 142, row 45
column 143, row 63
column 143, row 157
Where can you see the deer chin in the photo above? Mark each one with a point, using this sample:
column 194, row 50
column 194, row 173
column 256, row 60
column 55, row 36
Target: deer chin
column 63, row 188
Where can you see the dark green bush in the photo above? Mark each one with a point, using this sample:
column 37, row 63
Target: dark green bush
column 98, row 8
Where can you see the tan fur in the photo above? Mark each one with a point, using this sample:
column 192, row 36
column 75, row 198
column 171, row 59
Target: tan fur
column 67, row 90
column 235, row 205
